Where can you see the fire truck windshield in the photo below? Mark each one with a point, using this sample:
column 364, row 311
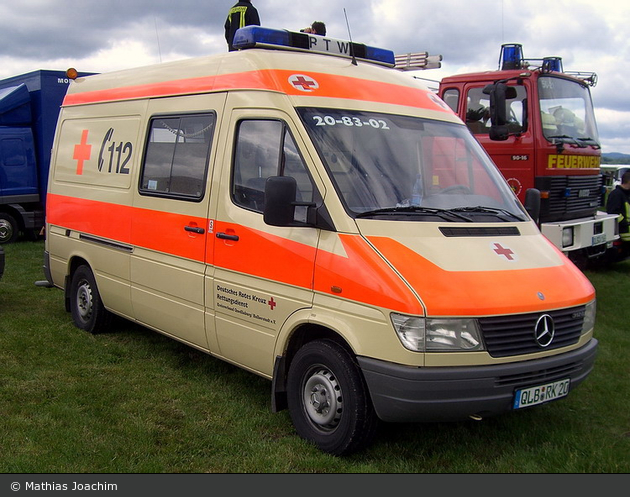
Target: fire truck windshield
column 566, row 111
column 399, row 167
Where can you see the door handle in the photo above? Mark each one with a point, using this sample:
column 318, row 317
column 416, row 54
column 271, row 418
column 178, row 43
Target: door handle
column 225, row 236
column 195, row 229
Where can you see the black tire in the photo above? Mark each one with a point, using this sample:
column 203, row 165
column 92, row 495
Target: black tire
column 9, row 228
column 328, row 399
column 86, row 306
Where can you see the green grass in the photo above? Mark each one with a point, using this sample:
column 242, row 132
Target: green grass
column 133, row 401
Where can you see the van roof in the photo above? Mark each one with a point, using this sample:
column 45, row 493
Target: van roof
column 300, row 75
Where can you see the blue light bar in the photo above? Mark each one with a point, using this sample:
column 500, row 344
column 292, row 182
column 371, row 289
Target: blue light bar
column 552, row 64
column 256, row 36
column 250, row 36
column 511, row 56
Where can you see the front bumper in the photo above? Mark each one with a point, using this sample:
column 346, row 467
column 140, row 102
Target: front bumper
column 404, row 394
column 594, row 233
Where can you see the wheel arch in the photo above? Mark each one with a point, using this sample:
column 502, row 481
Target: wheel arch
column 299, row 336
column 74, row 262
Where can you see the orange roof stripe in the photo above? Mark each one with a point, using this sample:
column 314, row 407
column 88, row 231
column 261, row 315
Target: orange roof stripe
column 330, row 85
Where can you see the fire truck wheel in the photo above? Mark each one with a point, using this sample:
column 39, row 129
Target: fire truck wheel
column 328, row 399
column 88, row 311
column 9, row 229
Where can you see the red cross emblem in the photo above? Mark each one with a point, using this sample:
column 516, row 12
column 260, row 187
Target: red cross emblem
column 303, row 83
column 82, row 151
column 504, row 251
column 272, row 303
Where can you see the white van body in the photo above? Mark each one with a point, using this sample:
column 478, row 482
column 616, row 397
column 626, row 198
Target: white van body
column 323, row 222
column 612, row 174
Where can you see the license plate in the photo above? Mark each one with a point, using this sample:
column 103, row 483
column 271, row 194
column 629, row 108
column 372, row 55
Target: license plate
column 599, row 239
column 543, row 393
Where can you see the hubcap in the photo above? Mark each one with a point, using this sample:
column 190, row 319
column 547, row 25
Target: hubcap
column 322, row 399
column 84, row 301
column 6, row 231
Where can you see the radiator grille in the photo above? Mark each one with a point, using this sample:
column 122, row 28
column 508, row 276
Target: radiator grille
column 514, row 335
column 569, row 196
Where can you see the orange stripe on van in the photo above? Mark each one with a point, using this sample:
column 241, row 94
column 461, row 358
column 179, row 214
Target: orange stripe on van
column 260, row 80
column 360, row 276
column 330, row 85
column 111, row 221
column 363, row 276
column 262, row 254
column 477, row 293
column 153, row 230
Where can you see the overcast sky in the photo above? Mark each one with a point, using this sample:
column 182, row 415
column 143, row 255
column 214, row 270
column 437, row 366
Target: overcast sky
column 106, row 35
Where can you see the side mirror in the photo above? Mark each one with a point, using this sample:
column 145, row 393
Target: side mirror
column 280, row 194
column 499, row 93
column 532, row 203
column 499, row 133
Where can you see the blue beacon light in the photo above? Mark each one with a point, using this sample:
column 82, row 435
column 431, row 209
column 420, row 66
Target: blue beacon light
column 552, row 64
column 511, row 56
column 257, row 36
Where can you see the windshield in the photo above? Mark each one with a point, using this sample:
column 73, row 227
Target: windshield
column 566, row 111
column 390, row 166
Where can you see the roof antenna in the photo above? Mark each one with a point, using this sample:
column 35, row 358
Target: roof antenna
column 157, row 35
column 354, row 60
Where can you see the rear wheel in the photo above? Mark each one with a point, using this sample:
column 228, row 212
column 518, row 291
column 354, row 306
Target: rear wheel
column 328, row 399
column 9, row 229
column 86, row 306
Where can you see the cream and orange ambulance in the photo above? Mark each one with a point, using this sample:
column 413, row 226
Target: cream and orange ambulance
column 303, row 210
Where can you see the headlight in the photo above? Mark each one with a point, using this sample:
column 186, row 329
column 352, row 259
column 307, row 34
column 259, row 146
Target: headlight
column 589, row 317
column 410, row 330
column 437, row 334
column 567, row 236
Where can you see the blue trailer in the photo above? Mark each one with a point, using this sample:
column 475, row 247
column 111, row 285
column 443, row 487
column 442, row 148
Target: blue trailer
column 29, row 108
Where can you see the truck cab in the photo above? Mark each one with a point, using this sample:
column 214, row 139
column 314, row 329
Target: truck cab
column 538, row 125
column 29, row 107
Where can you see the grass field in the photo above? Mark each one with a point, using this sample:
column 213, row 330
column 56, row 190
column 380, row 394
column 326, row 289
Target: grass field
column 133, row 401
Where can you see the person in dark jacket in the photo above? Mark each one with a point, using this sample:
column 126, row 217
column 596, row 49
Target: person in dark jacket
column 619, row 203
column 241, row 14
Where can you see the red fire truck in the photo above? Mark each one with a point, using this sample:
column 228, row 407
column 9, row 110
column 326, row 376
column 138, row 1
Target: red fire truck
column 537, row 123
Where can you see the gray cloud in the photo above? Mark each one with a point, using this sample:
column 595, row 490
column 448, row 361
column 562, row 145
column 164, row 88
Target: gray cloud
column 103, row 35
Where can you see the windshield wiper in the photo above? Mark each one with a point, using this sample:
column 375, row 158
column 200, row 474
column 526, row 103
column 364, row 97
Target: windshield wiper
column 590, row 141
column 500, row 213
column 564, row 138
column 578, row 142
column 447, row 214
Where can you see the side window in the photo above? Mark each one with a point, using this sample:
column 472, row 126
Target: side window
column 265, row 148
column 451, row 97
column 176, row 159
column 478, row 111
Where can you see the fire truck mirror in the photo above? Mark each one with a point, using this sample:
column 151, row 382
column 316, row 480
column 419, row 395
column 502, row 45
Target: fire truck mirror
column 499, row 95
column 499, row 133
column 532, row 203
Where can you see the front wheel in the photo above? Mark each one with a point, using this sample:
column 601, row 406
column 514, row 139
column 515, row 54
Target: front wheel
column 328, row 399
column 88, row 311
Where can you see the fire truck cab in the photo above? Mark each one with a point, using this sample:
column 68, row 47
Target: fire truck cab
column 537, row 123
